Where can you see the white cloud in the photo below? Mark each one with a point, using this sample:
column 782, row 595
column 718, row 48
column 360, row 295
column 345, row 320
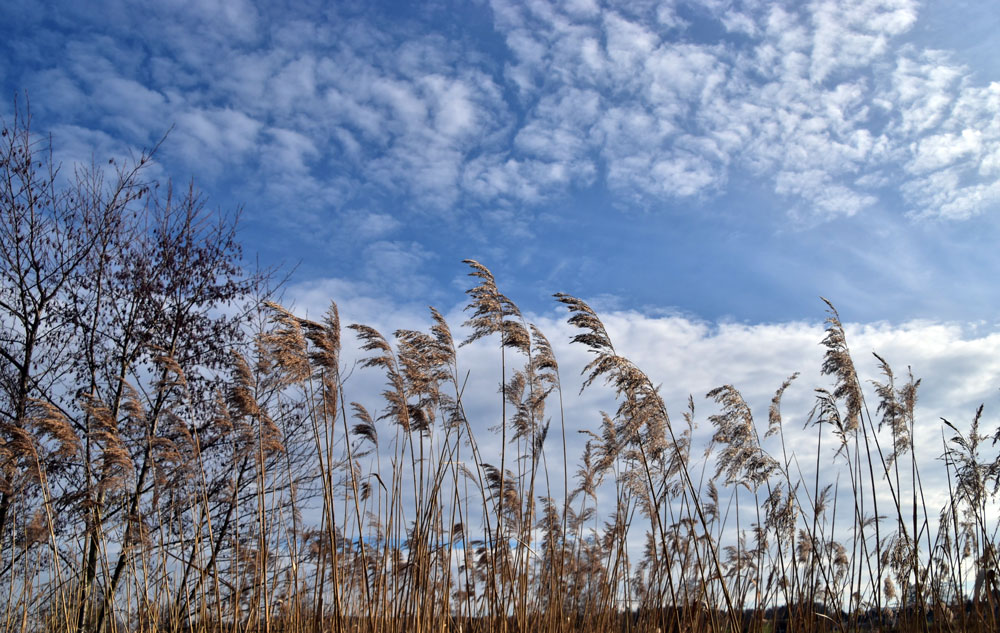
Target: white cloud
column 366, row 226
column 682, row 174
column 406, row 108
column 454, row 114
column 293, row 85
column 628, row 44
column 849, row 35
column 736, row 22
column 935, row 152
column 232, row 18
column 959, row 367
column 958, row 364
column 923, row 90
column 942, row 194
column 496, row 177
column 211, row 138
column 290, row 150
column 954, row 136
column 582, row 8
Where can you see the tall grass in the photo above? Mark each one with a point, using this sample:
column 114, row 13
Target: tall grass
column 178, row 453
column 274, row 502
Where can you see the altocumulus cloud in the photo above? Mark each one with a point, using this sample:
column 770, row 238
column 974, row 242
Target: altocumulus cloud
column 827, row 101
column 816, row 97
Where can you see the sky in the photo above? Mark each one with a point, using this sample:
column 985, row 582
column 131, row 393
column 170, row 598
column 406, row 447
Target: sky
column 728, row 160
column 701, row 172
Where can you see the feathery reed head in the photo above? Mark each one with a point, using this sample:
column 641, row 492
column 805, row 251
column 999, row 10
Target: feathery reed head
column 837, row 362
column 741, row 458
column 493, row 312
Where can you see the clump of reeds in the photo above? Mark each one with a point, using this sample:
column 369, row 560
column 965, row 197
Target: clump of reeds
column 278, row 504
column 165, row 467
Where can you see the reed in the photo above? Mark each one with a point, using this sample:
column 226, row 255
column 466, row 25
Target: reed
column 169, row 466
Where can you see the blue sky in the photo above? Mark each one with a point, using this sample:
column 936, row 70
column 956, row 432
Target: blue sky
column 699, row 171
column 727, row 160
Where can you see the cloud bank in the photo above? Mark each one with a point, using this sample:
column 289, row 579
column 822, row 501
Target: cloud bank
column 957, row 365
